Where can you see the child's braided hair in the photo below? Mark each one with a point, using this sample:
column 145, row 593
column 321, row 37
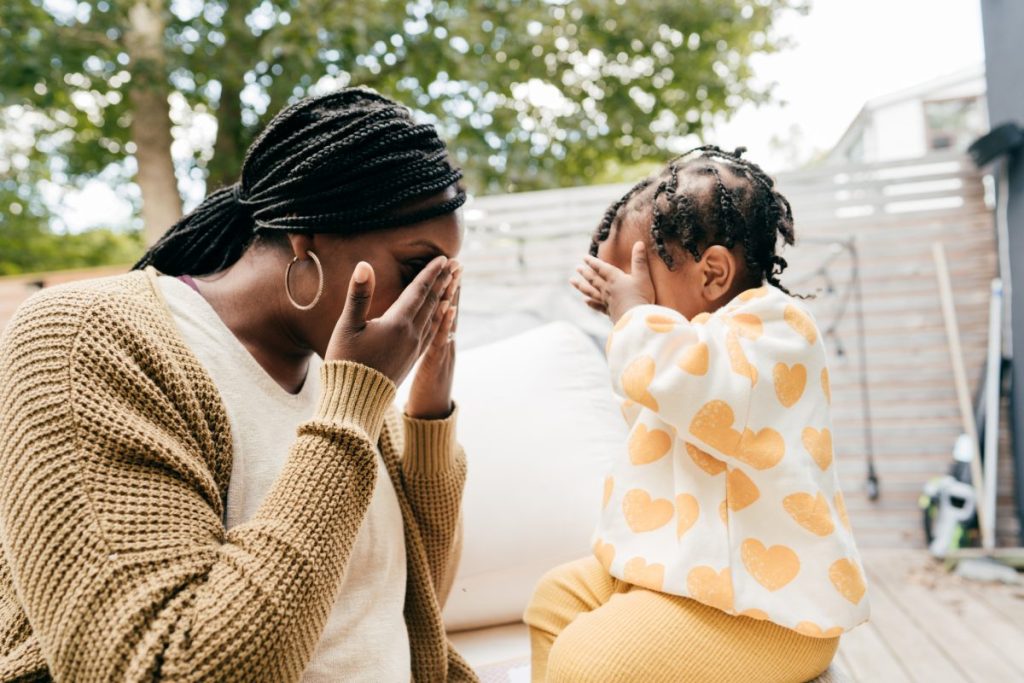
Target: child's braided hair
column 345, row 162
column 747, row 210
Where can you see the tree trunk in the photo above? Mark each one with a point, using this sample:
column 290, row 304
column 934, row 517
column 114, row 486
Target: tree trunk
column 151, row 119
column 235, row 59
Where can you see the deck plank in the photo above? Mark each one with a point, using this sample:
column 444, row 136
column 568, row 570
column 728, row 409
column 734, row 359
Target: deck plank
column 866, row 657
column 961, row 625
column 923, row 659
column 1006, row 600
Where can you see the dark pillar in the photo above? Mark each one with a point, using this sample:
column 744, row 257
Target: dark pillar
column 1003, row 24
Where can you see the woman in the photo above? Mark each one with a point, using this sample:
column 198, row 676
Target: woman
column 160, row 517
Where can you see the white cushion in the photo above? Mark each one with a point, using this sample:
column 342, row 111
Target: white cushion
column 540, row 425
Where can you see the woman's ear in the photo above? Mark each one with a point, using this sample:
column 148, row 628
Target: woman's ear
column 719, row 270
column 300, row 244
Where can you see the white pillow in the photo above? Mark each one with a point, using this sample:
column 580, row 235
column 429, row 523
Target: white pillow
column 540, row 425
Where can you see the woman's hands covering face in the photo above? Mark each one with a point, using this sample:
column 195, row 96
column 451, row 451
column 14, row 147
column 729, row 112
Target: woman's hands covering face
column 419, row 321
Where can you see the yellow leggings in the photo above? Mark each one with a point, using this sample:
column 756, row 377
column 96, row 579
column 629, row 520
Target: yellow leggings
column 586, row 626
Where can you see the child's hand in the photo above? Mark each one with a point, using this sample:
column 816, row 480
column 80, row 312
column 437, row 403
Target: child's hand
column 610, row 290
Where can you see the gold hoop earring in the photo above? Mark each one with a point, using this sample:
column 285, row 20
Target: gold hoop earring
column 320, row 283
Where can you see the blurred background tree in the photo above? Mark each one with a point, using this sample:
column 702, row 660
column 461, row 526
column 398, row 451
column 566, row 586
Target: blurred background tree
column 529, row 93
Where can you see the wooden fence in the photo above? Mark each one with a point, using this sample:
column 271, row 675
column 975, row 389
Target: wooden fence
column 891, row 213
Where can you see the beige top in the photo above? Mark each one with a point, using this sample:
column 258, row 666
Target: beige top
column 365, row 638
column 115, row 460
column 727, row 492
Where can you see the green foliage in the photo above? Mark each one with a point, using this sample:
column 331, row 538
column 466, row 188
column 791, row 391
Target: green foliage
column 529, row 93
column 28, row 248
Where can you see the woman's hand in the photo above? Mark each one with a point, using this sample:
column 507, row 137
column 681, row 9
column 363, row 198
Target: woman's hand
column 392, row 343
column 612, row 291
column 431, row 395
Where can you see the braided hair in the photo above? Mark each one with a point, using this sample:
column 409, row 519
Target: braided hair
column 744, row 208
column 346, row 162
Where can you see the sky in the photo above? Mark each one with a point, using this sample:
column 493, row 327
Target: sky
column 845, row 52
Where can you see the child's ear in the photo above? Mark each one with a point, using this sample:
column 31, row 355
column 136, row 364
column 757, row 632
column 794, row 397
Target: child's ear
column 720, row 270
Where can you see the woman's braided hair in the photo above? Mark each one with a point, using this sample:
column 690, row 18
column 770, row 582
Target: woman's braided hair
column 346, row 162
column 747, row 210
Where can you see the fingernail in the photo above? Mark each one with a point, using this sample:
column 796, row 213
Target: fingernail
column 362, row 272
column 444, row 306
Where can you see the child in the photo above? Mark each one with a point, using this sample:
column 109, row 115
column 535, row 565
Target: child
column 723, row 552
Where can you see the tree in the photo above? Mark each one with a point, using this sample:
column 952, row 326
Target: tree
column 529, row 93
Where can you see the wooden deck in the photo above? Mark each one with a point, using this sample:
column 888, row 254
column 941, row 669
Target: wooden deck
column 930, row 626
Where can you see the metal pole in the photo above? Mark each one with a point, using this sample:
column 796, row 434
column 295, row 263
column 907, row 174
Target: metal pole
column 993, row 387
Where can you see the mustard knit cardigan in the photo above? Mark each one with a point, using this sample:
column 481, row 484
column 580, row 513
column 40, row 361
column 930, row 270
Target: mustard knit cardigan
column 115, row 457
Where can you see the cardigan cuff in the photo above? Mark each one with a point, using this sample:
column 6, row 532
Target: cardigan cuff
column 430, row 445
column 354, row 395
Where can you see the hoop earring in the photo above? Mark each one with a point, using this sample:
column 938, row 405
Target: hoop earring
column 320, row 285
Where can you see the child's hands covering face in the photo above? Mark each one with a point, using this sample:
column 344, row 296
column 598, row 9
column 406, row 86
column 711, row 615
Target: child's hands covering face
column 610, row 290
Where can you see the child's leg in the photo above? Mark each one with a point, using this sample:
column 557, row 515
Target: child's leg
column 641, row 635
column 562, row 595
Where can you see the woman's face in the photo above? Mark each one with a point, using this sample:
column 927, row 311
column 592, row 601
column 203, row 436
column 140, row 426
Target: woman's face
column 397, row 255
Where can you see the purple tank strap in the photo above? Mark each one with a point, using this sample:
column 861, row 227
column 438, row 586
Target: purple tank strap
column 187, row 279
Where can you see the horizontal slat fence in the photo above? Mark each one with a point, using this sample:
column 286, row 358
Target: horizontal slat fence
column 893, row 213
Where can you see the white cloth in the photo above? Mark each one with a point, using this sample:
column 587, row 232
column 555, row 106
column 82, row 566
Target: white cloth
column 365, row 638
column 727, row 492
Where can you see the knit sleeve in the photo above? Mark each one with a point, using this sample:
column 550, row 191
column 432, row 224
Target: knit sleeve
column 698, row 375
column 111, row 504
column 434, row 473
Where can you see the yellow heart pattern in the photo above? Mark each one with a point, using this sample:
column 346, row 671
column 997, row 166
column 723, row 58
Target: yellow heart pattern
column 762, row 449
column 713, row 425
column 772, row 567
column 609, row 484
column 758, row 614
column 700, row 318
column 810, row 512
column 647, row 446
column 819, row 445
column 639, row 573
column 619, row 325
column 848, row 579
column 687, row 512
column 809, row 628
column 708, row 463
column 738, row 360
column 660, row 323
column 644, row 514
column 751, row 294
column 826, row 386
column 711, row 587
column 801, row 323
column 635, row 380
column 695, row 359
column 604, row 552
column 740, row 490
column 789, row 382
column 840, row 503
column 746, row 325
